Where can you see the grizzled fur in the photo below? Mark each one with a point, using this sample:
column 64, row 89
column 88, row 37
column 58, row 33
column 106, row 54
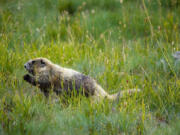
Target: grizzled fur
column 49, row 76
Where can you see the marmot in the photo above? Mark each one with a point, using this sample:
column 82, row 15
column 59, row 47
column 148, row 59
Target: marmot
column 47, row 75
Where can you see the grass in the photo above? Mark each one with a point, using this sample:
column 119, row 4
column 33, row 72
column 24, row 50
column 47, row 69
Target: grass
column 122, row 44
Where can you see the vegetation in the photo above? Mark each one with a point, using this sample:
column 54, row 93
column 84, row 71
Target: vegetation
column 122, row 44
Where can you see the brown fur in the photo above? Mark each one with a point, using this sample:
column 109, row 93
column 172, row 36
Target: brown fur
column 47, row 76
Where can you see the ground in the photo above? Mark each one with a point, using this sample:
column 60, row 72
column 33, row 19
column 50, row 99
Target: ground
column 122, row 44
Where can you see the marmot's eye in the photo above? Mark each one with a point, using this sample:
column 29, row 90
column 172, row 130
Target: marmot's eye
column 43, row 63
column 33, row 62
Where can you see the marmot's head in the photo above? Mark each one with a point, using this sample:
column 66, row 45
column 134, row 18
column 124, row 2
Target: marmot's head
column 37, row 65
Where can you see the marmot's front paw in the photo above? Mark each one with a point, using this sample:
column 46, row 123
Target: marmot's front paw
column 27, row 77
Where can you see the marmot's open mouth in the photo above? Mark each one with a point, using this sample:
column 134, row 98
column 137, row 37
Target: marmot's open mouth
column 31, row 72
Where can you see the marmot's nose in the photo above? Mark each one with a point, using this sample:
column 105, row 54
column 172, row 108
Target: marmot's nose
column 25, row 66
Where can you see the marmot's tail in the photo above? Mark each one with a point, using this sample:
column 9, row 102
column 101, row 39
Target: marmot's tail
column 100, row 93
column 123, row 93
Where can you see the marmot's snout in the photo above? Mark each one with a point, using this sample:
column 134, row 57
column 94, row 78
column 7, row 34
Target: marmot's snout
column 28, row 67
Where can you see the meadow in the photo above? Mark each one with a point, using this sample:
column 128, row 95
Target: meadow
column 122, row 44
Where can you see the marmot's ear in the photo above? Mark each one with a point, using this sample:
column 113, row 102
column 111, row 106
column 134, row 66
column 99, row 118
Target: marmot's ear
column 43, row 63
column 33, row 62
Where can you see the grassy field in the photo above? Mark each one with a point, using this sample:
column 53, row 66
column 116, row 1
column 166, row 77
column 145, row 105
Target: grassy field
column 122, row 44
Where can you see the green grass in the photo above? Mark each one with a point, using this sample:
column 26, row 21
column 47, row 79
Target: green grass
column 122, row 45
